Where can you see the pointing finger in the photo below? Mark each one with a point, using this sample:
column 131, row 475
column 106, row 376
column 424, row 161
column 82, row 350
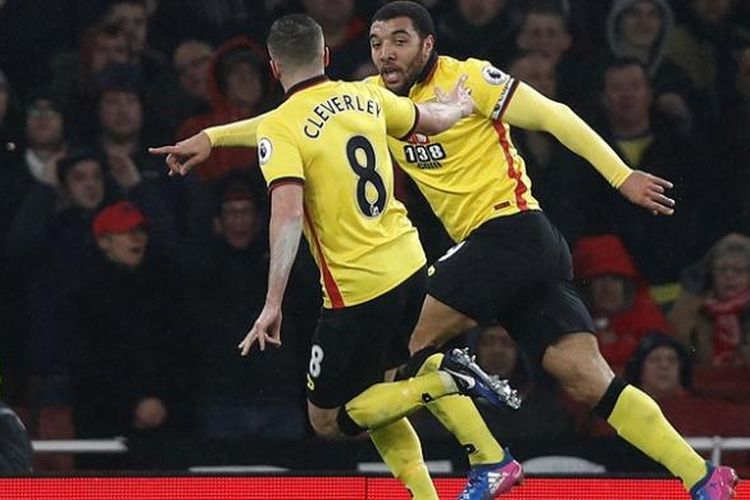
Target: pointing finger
column 163, row 150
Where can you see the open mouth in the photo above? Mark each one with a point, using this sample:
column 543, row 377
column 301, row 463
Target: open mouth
column 138, row 250
column 390, row 75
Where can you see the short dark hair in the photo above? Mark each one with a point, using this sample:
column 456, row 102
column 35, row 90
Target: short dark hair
column 66, row 164
column 420, row 17
column 647, row 345
column 295, row 39
column 139, row 3
column 622, row 63
column 545, row 8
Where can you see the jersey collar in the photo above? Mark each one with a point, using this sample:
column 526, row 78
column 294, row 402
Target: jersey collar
column 305, row 84
column 429, row 69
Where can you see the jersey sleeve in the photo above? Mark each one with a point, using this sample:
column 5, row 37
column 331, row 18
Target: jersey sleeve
column 491, row 88
column 278, row 154
column 239, row 133
column 533, row 111
column 400, row 113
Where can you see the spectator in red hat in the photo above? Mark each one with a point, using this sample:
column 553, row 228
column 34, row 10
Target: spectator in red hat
column 120, row 232
column 124, row 317
column 617, row 296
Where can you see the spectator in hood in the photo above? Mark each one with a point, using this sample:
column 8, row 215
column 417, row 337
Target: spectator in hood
column 617, row 296
column 639, row 29
column 239, row 87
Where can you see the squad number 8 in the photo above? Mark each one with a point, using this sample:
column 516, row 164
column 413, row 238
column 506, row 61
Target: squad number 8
column 367, row 174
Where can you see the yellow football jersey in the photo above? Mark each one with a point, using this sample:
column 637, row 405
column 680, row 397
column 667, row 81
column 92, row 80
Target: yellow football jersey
column 331, row 136
column 471, row 172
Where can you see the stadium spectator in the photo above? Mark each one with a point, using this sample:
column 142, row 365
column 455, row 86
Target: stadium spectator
column 544, row 29
column 639, row 29
column 100, row 45
column 650, row 145
column 191, row 61
column 617, row 296
column 122, row 130
column 45, row 133
column 701, row 45
column 132, row 18
column 712, row 314
column 233, row 398
column 478, row 28
column 45, row 143
column 125, row 326
column 345, row 34
column 663, row 369
column 239, row 87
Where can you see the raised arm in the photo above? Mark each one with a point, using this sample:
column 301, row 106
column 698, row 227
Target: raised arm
column 185, row 154
column 531, row 110
column 284, row 233
column 242, row 133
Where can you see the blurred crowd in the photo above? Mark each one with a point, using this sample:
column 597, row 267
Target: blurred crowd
column 125, row 291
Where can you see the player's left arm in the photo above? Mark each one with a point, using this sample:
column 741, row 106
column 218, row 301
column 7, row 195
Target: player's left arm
column 531, row 110
column 285, row 231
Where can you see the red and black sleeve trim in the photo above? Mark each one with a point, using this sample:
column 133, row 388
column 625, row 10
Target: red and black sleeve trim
column 413, row 125
column 285, row 180
column 505, row 100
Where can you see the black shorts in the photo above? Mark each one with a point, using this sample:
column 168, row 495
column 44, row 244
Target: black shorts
column 516, row 270
column 354, row 346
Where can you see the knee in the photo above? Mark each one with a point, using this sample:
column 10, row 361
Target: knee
column 325, row 428
column 576, row 363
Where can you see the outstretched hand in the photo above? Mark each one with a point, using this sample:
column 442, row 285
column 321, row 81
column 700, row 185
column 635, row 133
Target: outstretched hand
column 184, row 155
column 267, row 328
column 647, row 191
column 459, row 96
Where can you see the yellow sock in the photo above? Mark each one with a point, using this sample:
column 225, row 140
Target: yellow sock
column 399, row 447
column 460, row 416
column 639, row 420
column 384, row 403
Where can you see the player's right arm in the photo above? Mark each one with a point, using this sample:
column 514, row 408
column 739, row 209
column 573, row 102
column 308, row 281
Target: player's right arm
column 242, row 133
column 185, row 154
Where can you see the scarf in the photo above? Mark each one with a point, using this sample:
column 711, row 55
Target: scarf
column 726, row 317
